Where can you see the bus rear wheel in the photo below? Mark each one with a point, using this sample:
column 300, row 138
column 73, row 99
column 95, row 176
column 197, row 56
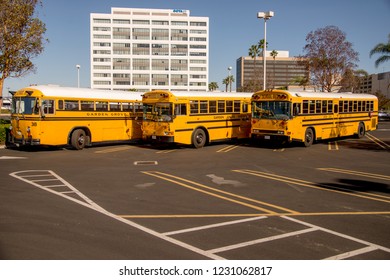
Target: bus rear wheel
column 361, row 130
column 309, row 137
column 78, row 139
column 199, row 138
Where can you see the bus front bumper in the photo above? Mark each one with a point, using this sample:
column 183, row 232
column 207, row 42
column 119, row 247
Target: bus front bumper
column 159, row 139
column 12, row 141
column 273, row 136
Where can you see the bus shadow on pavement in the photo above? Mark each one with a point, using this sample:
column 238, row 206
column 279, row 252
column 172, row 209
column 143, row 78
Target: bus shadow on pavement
column 353, row 185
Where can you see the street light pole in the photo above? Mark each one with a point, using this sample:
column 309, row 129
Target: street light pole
column 78, row 75
column 266, row 16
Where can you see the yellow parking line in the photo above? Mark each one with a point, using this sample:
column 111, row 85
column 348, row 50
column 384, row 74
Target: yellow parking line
column 227, row 149
column 185, row 183
column 165, row 151
column 333, row 146
column 377, row 141
column 113, row 150
column 178, row 216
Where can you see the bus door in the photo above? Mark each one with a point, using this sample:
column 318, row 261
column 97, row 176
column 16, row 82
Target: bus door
column 180, row 113
column 245, row 123
column 337, row 122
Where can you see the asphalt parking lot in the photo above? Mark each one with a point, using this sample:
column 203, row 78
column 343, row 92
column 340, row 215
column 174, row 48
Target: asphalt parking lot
column 224, row 201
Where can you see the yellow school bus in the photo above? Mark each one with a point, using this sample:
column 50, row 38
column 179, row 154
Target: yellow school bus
column 309, row 116
column 53, row 115
column 195, row 118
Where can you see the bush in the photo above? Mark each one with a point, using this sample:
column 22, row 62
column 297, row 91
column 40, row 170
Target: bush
column 3, row 125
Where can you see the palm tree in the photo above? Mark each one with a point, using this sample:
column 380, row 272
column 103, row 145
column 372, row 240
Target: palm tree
column 274, row 54
column 228, row 82
column 261, row 44
column 254, row 51
column 213, row 86
column 384, row 49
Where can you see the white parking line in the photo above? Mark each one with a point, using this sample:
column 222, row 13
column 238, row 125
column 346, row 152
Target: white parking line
column 24, row 176
column 369, row 244
column 352, row 253
column 214, row 225
column 30, row 177
column 261, row 240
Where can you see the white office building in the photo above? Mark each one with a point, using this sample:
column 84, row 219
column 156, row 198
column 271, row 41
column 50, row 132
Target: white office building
column 147, row 49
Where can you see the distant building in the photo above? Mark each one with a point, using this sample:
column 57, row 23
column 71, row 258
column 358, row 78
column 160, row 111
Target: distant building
column 6, row 104
column 146, row 49
column 375, row 83
column 281, row 71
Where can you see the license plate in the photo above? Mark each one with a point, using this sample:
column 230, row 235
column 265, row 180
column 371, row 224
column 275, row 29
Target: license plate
column 267, row 137
column 154, row 137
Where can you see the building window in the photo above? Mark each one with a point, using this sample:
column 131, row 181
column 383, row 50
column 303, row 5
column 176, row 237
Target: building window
column 101, row 20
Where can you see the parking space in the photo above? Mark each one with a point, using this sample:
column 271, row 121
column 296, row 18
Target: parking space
column 225, row 201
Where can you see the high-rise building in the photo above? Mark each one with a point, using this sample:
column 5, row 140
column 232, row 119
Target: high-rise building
column 281, row 71
column 146, row 49
column 375, row 83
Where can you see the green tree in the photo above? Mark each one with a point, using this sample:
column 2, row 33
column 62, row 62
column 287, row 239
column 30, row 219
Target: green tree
column 329, row 56
column 302, row 81
column 21, row 38
column 384, row 50
column 213, row 86
column 383, row 101
column 352, row 79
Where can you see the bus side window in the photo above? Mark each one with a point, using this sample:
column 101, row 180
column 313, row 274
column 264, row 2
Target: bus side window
column 128, row 107
column 115, row 106
column 245, row 107
column 71, row 105
column 296, row 109
column 194, row 106
column 48, row 106
column 138, row 107
column 101, row 106
column 180, row 110
column 61, row 105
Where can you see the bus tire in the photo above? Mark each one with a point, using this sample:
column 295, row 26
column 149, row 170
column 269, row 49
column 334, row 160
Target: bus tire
column 199, row 138
column 309, row 137
column 361, row 130
column 78, row 139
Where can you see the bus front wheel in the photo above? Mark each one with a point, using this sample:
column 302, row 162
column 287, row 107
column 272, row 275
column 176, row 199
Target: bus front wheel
column 199, row 138
column 309, row 137
column 78, row 139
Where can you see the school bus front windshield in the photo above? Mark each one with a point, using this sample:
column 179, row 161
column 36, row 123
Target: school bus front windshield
column 24, row 105
column 277, row 110
column 160, row 111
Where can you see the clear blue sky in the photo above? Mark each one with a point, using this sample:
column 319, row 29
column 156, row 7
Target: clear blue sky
column 234, row 27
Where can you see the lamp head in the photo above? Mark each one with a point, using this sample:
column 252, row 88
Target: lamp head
column 265, row 15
